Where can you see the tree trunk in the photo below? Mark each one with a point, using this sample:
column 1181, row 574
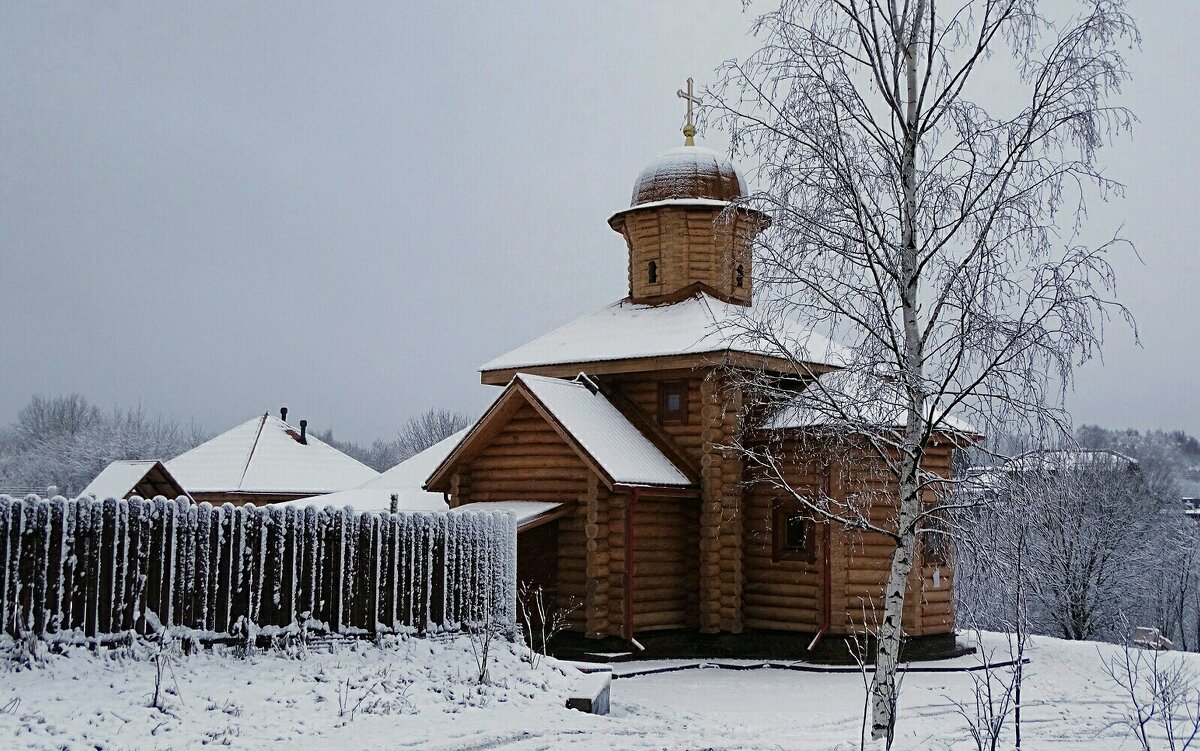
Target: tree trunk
column 888, row 638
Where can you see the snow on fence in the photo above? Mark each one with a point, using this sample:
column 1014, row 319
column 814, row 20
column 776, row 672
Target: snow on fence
column 114, row 566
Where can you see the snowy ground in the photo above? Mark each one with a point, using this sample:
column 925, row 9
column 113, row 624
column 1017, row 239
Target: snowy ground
column 418, row 694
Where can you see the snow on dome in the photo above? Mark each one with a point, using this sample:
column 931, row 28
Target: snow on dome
column 688, row 172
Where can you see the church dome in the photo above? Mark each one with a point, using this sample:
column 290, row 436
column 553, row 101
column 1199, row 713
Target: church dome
column 688, row 172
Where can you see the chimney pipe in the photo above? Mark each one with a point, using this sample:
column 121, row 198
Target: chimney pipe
column 283, row 413
column 304, row 432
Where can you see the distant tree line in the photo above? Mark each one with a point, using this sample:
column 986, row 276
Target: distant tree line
column 65, row 441
column 1086, row 548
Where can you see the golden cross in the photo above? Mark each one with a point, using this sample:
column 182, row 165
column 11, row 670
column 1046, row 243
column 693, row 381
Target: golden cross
column 689, row 128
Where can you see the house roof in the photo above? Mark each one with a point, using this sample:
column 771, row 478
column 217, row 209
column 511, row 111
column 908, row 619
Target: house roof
column 122, row 477
column 851, row 399
column 621, row 450
column 265, row 455
column 528, row 514
column 374, row 499
column 404, row 480
column 595, row 428
column 1055, row 460
column 411, row 472
column 701, row 324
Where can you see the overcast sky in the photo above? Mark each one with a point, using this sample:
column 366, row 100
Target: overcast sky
column 347, row 208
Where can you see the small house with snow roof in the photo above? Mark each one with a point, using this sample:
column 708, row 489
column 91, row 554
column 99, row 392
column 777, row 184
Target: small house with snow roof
column 616, row 427
column 266, row 460
column 126, row 478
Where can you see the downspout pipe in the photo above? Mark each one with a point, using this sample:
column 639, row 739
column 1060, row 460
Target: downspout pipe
column 826, row 594
column 630, row 562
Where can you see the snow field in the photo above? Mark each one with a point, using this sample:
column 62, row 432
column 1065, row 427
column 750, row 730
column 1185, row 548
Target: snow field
column 421, row 694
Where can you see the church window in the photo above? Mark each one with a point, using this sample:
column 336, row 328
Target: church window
column 672, row 402
column 739, row 278
column 935, row 539
column 794, row 536
column 652, row 273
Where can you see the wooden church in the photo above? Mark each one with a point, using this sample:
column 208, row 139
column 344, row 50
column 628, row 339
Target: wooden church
column 618, row 422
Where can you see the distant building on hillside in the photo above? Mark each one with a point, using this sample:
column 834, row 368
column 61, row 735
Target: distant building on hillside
column 985, row 482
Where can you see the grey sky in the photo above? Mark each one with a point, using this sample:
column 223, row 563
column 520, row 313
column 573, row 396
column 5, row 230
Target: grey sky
column 346, row 208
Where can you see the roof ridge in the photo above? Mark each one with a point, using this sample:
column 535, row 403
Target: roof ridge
column 246, row 468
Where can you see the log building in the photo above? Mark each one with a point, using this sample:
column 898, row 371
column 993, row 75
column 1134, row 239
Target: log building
column 621, row 419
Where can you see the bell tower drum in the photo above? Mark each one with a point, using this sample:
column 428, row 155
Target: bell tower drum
column 682, row 229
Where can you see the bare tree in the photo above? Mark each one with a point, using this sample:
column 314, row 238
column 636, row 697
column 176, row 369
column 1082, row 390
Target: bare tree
column 65, row 441
column 46, row 417
column 1160, row 692
column 917, row 220
column 414, row 436
column 427, row 428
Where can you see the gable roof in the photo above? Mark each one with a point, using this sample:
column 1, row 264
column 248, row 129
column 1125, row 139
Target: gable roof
column 697, row 325
column 123, row 477
column 594, row 428
column 265, row 455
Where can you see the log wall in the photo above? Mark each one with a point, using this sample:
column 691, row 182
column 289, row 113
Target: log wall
column 642, row 390
column 689, row 245
column 781, row 595
column 786, row 594
column 666, row 595
column 527, row 460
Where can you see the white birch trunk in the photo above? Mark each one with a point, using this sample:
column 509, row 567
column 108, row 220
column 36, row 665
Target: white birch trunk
column 888, row 637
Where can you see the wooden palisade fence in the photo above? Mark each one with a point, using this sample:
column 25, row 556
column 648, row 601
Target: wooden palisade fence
column 110, row 567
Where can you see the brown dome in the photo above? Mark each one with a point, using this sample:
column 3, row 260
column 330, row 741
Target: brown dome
column 688, row 172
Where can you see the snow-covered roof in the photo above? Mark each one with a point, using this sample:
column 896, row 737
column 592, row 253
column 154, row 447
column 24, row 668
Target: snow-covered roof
column 698, row 325
column 265, row 455
column 621, row 450
column 121, row 477
column 526, row 512
column 850, row 399
column 405, row 480
column 1054, row 460
column 374, row 499
column 412, row 472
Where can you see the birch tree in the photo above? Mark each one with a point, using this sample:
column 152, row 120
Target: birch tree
column 926, row 166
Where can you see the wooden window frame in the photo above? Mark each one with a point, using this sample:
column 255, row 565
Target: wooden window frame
column 779, row 547
column 680, row 416
column 936, row 543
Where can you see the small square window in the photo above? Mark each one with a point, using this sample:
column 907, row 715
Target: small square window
column 672, row 402
column 794, row 538
column 795, row 532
